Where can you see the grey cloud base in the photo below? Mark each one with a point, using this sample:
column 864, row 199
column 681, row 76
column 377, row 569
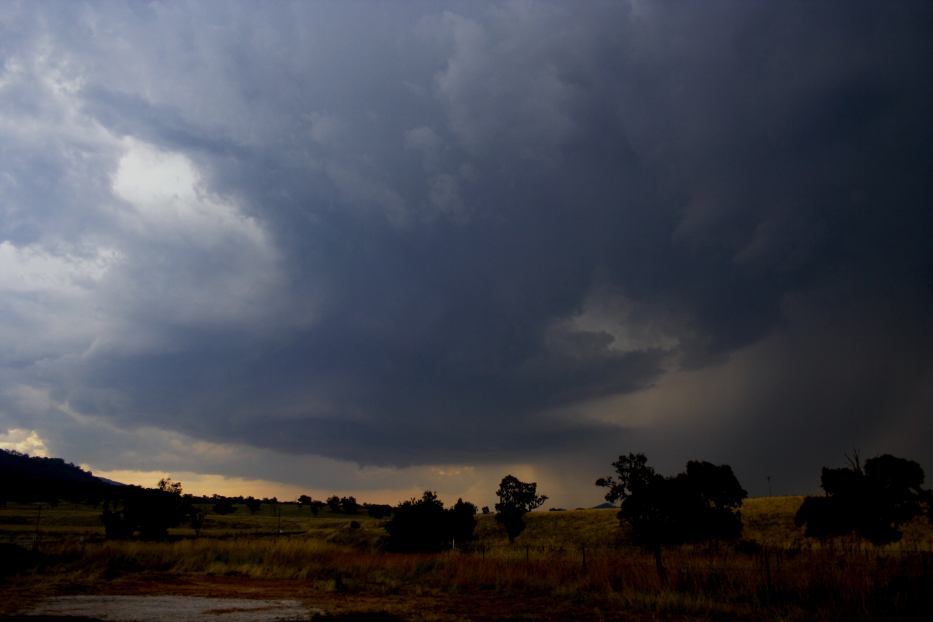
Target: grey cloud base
column 472, row 234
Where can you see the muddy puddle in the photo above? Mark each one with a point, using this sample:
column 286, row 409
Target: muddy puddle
column 173, row 608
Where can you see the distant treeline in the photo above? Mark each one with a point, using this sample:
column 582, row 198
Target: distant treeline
column 871, row 500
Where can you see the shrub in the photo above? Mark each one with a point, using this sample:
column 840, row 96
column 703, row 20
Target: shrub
column 871, row 503
column 423, row 525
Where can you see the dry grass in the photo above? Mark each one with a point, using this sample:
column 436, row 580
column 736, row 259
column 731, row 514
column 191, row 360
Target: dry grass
column 785, row 578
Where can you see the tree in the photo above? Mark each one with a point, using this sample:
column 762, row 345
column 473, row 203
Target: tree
column 418, row 525
column 699, row 504
column 423, row 525
column 461, row 520
column 348, row 505
column 252, row 504
column 223, row 505
column 516, row 498
column 871, row 502
column 167, row 485
column 333, row 502
column 146, row 512
column 378, row 510
column 311, row 504
column 632, row 472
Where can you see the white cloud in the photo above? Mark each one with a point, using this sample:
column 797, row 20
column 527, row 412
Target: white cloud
column 165, row 192
column 192, row 256
column 49, row 299
column 33, row 269
column 23, row 441
column 634, row 326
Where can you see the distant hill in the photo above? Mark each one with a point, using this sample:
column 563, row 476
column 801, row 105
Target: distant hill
column 109, row 482
column 34, row 478
column 605, row 506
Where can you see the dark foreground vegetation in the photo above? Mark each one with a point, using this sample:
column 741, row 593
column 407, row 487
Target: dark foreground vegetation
column 582, row 564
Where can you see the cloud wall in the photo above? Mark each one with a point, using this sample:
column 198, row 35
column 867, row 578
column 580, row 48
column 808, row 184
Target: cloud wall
column 467, row 235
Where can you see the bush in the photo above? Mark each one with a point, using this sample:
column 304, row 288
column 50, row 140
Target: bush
column 144, row 512
column 377, row 510
column 223, row 505
column 871, row 503
column 423, row 525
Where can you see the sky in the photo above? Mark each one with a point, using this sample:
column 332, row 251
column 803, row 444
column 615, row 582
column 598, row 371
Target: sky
column 375, row 248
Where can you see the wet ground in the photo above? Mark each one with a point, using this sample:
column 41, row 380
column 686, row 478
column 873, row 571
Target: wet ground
column 174, row 608
column 204, row 597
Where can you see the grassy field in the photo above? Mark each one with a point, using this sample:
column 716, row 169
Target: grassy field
column 566, row 565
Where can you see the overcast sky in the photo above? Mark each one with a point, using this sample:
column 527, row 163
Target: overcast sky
column 372, row 248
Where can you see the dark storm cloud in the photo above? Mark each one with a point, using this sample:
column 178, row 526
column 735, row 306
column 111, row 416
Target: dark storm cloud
column 450, row 229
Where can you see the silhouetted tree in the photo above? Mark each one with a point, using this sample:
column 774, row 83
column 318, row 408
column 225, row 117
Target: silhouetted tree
column 348, row 505
column 699, row 504
column 146, row 512
column 252, row 504
column 223, row 505
column 424, row 525
column 461, row 521
column 516, row 498
column 333, row 503
column 871, row 502
column 418, row 525
column 311, row 504
column 378, row 510
column 632, row 472
column 167, row 485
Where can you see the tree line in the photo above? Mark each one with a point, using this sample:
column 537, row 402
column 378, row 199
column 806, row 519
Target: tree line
column 702, row 503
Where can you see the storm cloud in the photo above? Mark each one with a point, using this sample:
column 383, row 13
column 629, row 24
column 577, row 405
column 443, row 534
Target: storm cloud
column 474, row 234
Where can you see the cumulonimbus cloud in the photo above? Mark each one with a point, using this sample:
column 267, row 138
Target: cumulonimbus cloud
column 450, row 237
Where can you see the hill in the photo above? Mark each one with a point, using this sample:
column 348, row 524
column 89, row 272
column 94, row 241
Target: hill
column 34, row 478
